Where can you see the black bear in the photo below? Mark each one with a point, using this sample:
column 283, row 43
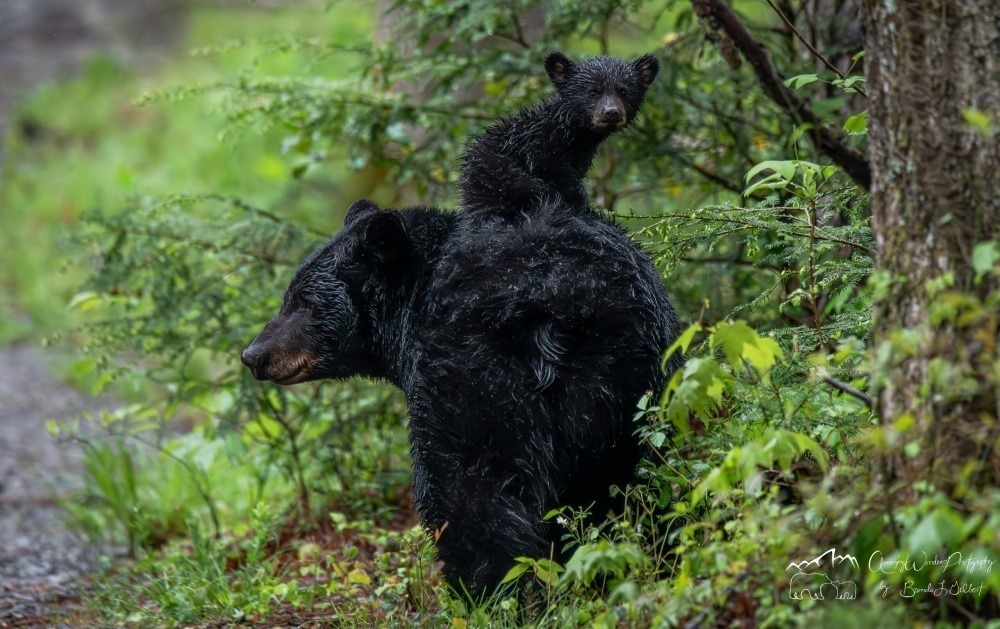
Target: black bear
column 543, row 153
column 522, row 346
column 522, row 351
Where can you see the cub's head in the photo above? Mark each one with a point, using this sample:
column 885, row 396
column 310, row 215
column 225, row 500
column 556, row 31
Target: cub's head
column 603, row 93
column 324, row 326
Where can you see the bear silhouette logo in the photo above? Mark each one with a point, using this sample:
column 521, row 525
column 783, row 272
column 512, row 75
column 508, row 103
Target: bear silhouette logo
column 818, row 585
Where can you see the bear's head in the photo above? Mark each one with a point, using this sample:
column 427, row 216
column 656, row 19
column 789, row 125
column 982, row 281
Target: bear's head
column 325, row 326
column 603, row 93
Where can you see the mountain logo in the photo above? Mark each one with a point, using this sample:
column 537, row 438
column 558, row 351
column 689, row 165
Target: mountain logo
column 808, row 580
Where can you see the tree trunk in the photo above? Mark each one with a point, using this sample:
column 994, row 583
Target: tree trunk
column 935, row 195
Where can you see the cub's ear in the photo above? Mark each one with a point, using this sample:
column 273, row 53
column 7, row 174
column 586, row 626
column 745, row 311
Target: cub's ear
column 559, row 68
column 385, row 237
column 648, row 67
column 358, row 209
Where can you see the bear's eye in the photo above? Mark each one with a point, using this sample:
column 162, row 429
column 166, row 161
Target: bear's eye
column 622, row 90
column 595, row 92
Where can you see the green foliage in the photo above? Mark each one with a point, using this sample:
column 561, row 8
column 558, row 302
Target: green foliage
column 146, row 498
column 61, row 158
column 603, row 558
column 187, row 586
column 774, row 449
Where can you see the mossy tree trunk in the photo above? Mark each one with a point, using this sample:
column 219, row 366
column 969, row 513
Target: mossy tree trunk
column 933, row 71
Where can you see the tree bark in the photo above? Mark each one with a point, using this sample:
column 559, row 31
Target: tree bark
column 935, row 195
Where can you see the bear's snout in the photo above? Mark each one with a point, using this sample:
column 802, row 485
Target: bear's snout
column 612, row 114
column 609, row 114
column 253, row 358
column 279, row 353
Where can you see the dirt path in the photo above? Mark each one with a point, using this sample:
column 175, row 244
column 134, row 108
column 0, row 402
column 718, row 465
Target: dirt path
column 40, row 557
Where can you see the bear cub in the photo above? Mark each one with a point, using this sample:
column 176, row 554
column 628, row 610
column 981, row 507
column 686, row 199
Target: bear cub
column 543, row 153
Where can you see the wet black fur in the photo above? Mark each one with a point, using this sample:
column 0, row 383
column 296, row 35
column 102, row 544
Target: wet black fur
column 543, row 153
column 522, row 347
column 522, row 351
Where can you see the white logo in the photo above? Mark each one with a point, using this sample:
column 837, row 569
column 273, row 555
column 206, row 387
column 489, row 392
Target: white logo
column 807, row 582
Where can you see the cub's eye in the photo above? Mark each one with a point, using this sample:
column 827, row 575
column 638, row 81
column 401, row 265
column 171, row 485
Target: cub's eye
column 622, row 90
column 595, row 92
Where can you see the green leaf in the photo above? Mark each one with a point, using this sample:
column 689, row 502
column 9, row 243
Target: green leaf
column 776, row 447
column 602, row 557
column 740, row 342
column 762, row 354
column 697, row 389
column 940, row 529
column 359, row 576
column 732, row 337
column 82, row 367
column 827, row 106
column 771, row 182
column 85, row 301
column 547, row 570
column 980, row 121
column 857, row 124
column 803, row 79
column 102, row 382
column 784, row 169
column 851, row 81
column 683, row 342
column 515, row 572
column 985, row 256
column 553, row 513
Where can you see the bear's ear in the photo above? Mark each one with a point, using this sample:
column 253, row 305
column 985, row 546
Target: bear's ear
column 648, row 67
column 559, row 68
column 385, row 237
column 358, row 209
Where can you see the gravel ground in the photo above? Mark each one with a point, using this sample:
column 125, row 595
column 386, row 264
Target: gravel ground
column 41, row 559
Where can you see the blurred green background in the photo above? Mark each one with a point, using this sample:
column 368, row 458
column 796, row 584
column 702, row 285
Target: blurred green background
column 78, row 140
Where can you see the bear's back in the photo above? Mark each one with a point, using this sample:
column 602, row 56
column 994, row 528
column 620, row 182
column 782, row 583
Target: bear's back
column 559, row 263
column 561, row 302
column 539, row 340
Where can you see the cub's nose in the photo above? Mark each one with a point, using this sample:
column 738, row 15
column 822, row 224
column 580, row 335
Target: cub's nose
column 612, row 114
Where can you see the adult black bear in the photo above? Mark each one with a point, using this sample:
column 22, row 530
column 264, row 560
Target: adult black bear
column 522, row 346
column 543, row 153
column 522, row 351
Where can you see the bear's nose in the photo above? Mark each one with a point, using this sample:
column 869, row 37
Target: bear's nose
column 612, row 114
column 249, row 358
column 254, row 360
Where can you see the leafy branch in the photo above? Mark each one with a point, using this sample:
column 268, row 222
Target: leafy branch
column 718, row 15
